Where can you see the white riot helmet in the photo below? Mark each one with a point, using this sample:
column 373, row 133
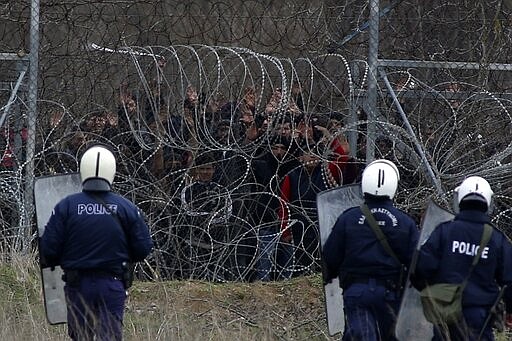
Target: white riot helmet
column 474, row 188
column 380, row 178
column 97, row 169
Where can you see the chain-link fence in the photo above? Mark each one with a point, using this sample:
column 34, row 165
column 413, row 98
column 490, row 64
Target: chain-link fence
column 228, row 117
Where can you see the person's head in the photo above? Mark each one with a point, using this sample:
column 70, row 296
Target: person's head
column 384, row 145
column 279, row 147
column 213, row 105
column 173, row 158
column 474, row 193
column 97, row 169
column 222, row 131
column 283, row 126
column 78, row 140
column 204, row 167
column 334, row 125
column 380, row 178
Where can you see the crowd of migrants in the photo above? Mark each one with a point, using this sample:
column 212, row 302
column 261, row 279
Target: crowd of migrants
column 229, row 190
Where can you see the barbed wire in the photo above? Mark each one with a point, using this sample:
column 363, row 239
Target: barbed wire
column 209, row 106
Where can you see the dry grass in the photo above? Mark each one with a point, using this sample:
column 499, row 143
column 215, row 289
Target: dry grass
column 178, row 310
column 192, row 310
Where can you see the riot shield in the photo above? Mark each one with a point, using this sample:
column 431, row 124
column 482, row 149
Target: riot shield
column 48, row 191
column 330, row 205
column 411, row 324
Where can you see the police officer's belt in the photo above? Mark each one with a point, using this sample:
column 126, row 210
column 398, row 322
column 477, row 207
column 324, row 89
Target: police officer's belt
column 97, row 273
column 391, row 283
column 73, row 277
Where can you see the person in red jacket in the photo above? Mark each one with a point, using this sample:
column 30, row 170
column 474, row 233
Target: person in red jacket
column 322, row 168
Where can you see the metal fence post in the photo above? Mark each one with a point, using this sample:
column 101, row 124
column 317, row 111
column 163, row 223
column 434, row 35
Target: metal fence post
column 31, row 123
column 373, row 51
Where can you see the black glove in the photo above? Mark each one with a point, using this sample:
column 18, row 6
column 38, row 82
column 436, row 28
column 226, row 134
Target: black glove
column 43, row 262
column 326, row 281
column 325, row 274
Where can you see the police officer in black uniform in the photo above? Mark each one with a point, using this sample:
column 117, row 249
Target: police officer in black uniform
column 447, row 255
column 371, row 277
column 92, row 235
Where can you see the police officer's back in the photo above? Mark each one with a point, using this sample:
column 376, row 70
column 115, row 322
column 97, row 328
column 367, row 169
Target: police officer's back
column 370, row 276
column 92, row 235
column 447, row 255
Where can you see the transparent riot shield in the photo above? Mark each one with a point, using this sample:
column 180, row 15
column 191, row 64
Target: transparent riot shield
column 330, row 205
column 411, row 324
column 48, row 191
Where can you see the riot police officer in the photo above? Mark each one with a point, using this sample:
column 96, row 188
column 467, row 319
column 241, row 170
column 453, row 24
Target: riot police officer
column 447, row 255
column 371, row 277
column 92, row 235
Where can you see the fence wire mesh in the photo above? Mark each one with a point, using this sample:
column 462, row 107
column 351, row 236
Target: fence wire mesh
column 210, row 106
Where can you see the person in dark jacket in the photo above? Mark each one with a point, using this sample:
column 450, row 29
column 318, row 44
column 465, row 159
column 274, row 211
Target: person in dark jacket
column 447, row 255
column 371, row 277
column 92, row 235
column 268, row 170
